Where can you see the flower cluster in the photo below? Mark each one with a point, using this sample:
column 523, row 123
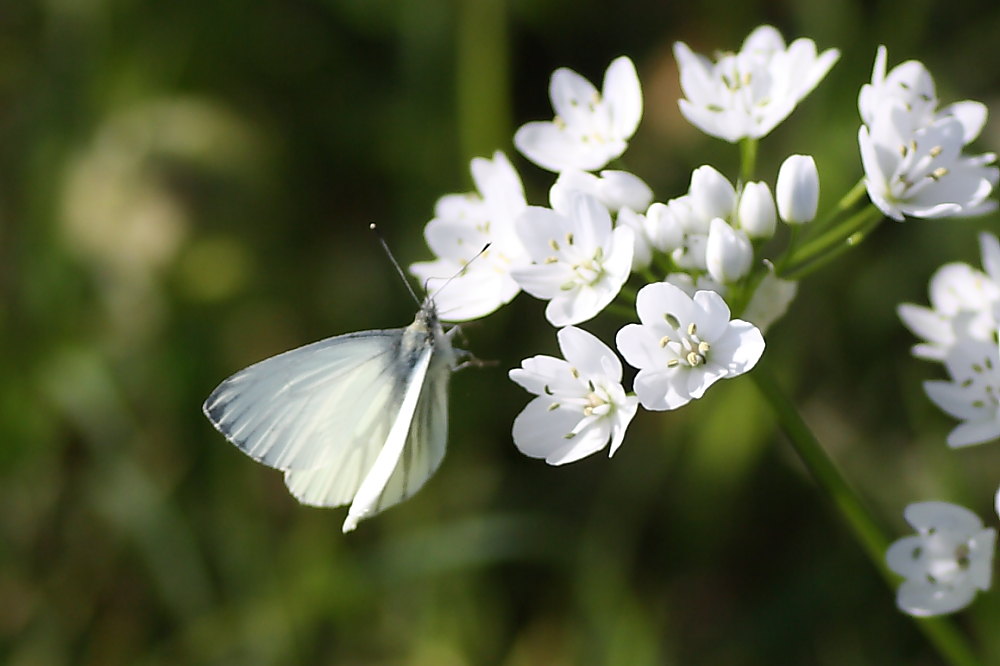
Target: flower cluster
column 692, row 267
column 960, row 331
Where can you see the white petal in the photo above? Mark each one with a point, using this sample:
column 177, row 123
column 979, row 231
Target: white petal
column 942, row 517
column 588, row 354
column 974, row 432
column 925, row 599
column 624, row 95
column 553, row 148
column 542, row 432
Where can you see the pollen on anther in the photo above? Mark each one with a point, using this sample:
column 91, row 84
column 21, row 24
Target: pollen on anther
column 573, row 371
column 664, row 341
column 938, row 173
column 569, row 238
column 553, row 407
column 554, row 244
column 552, row 260
column 692, row 328
column 935, row 151
column 673, row 363
column 704, row 347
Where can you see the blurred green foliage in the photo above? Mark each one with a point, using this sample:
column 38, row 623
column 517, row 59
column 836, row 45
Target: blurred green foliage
column 185, row 188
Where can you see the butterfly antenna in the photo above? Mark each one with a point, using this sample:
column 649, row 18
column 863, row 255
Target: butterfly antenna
column 392, row 258
column 460, row 270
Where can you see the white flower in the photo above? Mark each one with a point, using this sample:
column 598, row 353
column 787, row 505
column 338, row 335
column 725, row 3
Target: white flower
column 590, row 128
column 728, row 252
column 973, row 394
column 685, row 345
column 945, row 563
column 912, row 153
column 462, row 226
column 798, row 189
column 580, row 263
column 964, row 304
column 756, row 212
column 581, row 404
column 747, row 94
column 924, row 174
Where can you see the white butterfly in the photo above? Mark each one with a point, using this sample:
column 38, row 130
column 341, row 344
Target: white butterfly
column 360, row 418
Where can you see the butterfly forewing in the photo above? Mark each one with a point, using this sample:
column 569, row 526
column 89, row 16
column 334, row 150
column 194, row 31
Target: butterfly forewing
column 312, row 406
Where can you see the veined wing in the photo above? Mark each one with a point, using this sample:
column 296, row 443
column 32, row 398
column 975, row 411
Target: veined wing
column 319, row 405
column 412, row 451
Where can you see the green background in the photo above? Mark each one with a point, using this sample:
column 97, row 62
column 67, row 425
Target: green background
column 186, row 188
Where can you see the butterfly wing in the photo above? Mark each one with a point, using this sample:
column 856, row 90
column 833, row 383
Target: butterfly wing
column 321, row 405
column 412, row 452
column 359, row 418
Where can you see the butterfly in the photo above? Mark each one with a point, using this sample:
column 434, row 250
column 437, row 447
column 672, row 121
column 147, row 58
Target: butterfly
column 359, row 419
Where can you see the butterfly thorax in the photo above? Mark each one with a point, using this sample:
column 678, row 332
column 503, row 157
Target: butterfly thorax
column 426, row 332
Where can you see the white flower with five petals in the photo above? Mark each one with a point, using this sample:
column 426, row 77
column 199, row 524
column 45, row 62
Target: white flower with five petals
column 581, row 404
column 945, row 563
column 463, row 225
column 591, row 128
column 684, row 345
column 747, row 94
column 579, row 262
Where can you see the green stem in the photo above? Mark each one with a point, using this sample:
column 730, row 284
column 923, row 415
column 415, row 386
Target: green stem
column 846, row 202
column 940, row 632
column 830, row 244
column 748, row 159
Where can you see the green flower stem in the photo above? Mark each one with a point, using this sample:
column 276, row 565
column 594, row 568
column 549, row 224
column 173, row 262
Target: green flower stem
column 941, row 633
column 820, row 250
column 846, row 202
column 748, row 159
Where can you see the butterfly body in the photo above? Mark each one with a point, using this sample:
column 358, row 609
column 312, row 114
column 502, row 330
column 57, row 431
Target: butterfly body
column 359, row 419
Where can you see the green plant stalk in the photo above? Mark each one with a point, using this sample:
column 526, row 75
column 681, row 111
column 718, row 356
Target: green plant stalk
column 846, row 202
column 940, row 632
column 867, row 220
column 847, row 234
column 748, row 159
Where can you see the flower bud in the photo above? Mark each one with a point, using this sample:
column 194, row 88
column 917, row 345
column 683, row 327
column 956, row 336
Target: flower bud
column 621, row 189
column 728, row 252
column 756, row 213
column 798, row 189
column 664, row 229
column 642, row 252
column 711, row 194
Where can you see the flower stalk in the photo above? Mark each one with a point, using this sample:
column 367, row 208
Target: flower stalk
column 940, row 632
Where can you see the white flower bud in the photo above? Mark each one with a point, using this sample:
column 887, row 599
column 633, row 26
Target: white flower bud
column 642, row 253
column 756, row 213
column 711, row 194
column 621, row 189
column 663, row 228
column 728, row 254
column 798, row 189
